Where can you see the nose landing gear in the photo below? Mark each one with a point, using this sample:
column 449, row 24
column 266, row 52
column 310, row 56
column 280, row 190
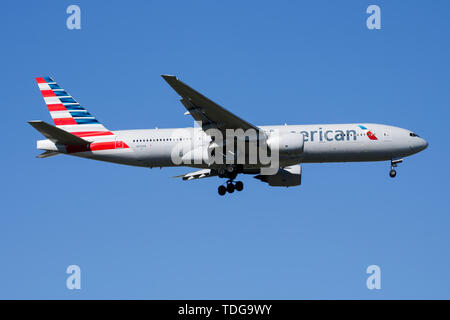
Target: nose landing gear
column 394, row 164
column 392, row 173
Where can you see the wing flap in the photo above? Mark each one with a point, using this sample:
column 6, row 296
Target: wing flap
column 203, row 173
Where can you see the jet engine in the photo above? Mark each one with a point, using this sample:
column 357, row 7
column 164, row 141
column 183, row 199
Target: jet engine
column 285, row 177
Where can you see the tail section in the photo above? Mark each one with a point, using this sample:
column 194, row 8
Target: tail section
column 57, row 135
column 47, row 154
column 67, row 113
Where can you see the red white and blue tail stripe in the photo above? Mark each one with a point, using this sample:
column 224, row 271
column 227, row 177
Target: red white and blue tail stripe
column 67, row 113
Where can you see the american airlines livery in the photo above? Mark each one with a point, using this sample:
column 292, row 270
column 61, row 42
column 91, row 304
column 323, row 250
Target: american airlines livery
column 222, row 144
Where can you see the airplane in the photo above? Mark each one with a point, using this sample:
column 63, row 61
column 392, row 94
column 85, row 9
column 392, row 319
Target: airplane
column 77, row 132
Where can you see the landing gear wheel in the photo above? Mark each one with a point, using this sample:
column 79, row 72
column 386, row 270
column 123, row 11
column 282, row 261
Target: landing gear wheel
column 222, row 190
column 230, row 188
column 394, row 164
column 392, row 173
column 239, row 185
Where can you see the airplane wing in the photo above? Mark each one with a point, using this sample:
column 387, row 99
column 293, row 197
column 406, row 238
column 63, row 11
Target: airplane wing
column 203, row 173
column 208, row 112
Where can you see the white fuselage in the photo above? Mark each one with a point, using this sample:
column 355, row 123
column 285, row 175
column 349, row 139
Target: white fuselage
column 322, row 143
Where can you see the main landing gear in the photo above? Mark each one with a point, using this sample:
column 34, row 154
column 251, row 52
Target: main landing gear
column 231, row 173
column 230, row 187
column 394, row 164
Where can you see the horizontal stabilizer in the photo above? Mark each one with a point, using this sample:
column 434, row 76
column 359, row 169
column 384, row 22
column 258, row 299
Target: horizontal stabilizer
column 56, row 135
column 47, row 154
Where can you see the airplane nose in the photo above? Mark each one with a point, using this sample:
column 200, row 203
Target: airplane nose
column 424, row 144
column 418, row 144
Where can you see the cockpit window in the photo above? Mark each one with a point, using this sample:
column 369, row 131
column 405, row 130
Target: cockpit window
column 412, row 134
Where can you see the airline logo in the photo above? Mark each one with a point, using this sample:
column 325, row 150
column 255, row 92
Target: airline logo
column 369, row 133
column 67, row 113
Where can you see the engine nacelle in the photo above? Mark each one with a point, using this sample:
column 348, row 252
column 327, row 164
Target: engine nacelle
column 288, row 145
column 285, row 177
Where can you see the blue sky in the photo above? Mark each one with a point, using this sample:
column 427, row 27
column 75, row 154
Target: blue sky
column 138, row 233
